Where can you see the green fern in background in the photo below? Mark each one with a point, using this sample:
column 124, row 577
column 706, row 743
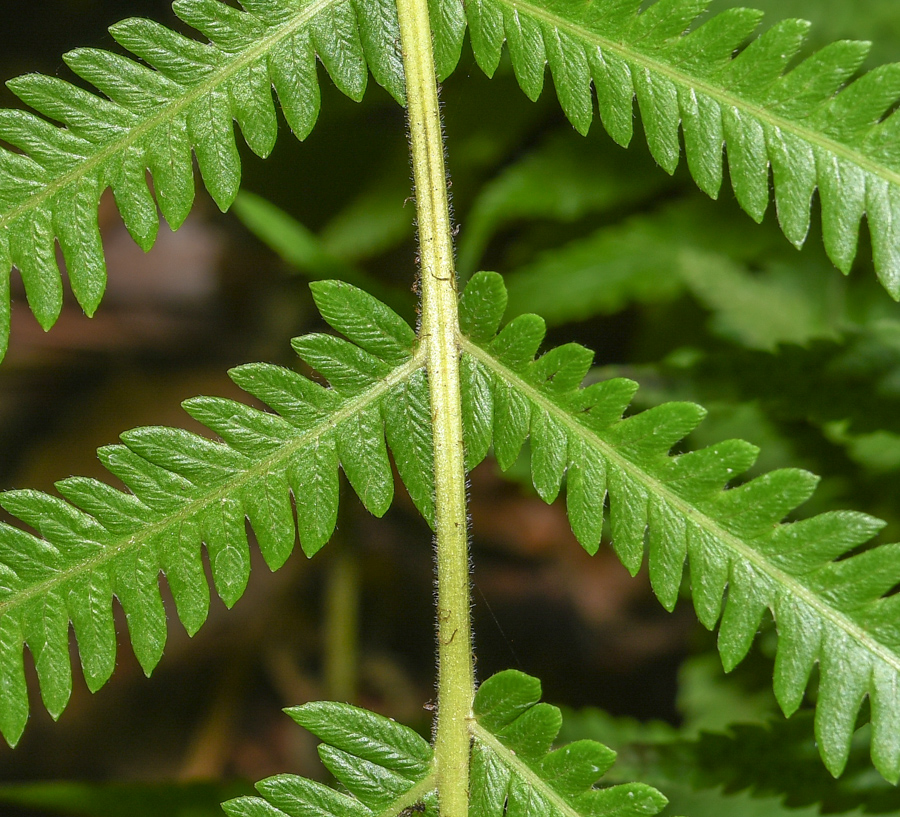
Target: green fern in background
column 822, row 127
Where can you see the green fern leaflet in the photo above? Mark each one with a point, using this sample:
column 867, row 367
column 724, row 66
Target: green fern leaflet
column 186, row 491
column 514, row 772
column 681, row 508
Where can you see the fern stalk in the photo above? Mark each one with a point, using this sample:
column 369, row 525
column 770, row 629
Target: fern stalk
column 439, row 332
column 342, row 624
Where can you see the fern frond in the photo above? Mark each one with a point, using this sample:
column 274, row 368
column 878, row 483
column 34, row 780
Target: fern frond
column 385, row 767
column 514, row 772
column 823, row 383
column 785, row 767
column 388, row 770
column 813, row 125
column 180, row 96
column 187, row 490
column 829, row 612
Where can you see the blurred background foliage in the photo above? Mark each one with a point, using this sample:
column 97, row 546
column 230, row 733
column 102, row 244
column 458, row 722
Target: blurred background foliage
column 688, row 297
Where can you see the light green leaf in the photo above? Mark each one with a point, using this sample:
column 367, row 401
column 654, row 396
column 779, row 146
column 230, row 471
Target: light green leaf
column 296, row 244
column 317, row 257
column 407, row 423
column 564, row 178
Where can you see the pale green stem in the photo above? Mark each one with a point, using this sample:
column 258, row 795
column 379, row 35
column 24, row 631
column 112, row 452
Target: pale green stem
column 438, row 333
column 342, row 624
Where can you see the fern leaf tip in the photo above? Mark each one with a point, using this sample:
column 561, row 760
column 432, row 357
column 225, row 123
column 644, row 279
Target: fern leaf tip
column 12, row 732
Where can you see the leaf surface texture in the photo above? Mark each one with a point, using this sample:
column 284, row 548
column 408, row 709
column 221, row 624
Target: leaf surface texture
column 383, row 766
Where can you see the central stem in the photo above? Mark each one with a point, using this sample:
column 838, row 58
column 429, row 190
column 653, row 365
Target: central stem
column 440, row 325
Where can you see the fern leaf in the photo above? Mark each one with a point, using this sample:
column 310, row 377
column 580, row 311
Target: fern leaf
column 448, row 24
column 786, row 388
column 829, row 612
column 813, row 125
column 514, row 771
column 645, row 258
column 295, row 243
column 179, row 96
column 186, row 490
column 384, row 766
column 785, row 768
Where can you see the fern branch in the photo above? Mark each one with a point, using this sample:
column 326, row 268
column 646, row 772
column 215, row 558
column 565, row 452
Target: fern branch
column 826, row 611
column 184, row 96
column 812, row 125
column 186, row 490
